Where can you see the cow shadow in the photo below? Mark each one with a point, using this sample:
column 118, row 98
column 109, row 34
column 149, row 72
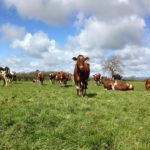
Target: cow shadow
column 67, row 86
column 90, row 95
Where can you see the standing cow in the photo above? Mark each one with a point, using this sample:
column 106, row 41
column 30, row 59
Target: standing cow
column 97, row 78
column 147, row 84
column 117, row 77
column 40, row 77
column 81, row 74
column 62, row 77
column 12, row 76
column 4, row 71
column 52, row 77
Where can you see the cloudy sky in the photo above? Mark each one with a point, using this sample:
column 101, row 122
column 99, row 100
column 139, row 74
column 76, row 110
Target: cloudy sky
column 46, row 34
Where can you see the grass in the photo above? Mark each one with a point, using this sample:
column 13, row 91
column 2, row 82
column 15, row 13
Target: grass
column 52, row 117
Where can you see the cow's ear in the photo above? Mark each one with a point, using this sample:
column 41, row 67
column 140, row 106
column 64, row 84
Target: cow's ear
column 74, row 58
column 87, row 58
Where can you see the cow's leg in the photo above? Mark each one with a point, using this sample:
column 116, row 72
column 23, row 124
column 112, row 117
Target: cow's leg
column 84, row 88
column 77, row 85
column 97, row 83
column 78, row 92
column 41, row 82
column 84, row 92
column 53, row 81
column 5, row 80
column 78, row 89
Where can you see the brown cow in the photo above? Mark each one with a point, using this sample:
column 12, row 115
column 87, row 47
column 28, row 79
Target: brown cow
column 40, row 77
column 81, row 74
column 62, row 77
column 122, row 86
column 107, row 83
column 97, row 78
column 147, row 84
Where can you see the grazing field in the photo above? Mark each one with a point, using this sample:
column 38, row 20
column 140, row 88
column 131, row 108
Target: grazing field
column 52, row 117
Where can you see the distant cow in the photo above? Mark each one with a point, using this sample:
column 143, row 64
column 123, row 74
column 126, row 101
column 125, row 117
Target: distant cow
column 147, row 84
column 4, row 71
column 12, row 76
column 122, row 86
column 34, row 81
column 40, row 77
column 117, row 77
column 62, row 77
column 97, row 78
column 81, row 74
column 52, row 77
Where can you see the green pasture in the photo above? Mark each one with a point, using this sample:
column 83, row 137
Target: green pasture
column 50, row 117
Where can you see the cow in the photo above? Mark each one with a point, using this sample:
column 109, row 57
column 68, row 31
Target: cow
column 81, row 74
column 62, row 77
column 147, row 84
column 122, row 86
column 12, row 76
column 34, row 81
column 4, row 71
column 97, row 78
column 107, row 83
column 117, row 77
column 52, row 77
column 40, row 77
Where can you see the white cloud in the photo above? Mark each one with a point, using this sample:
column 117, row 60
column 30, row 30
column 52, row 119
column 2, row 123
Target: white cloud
column 49, row 11
column 35, row 44
column 112, row 35
column 11, row 62
column 10, row 32
column 57, row 11
column 136, row 60
column 102, row 26
column 46, row 53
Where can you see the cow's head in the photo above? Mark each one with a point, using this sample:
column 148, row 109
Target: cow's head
column 80, row 61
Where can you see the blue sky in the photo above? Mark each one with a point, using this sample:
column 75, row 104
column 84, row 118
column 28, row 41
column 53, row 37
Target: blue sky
column 46, row 34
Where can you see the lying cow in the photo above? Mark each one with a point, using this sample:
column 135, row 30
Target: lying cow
column 107, row 83
column 147, row 84
column 81, row 74
column 97, row 78
column 122, row 86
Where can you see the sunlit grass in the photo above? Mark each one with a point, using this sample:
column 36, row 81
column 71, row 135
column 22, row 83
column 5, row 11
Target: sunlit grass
column 53, row 117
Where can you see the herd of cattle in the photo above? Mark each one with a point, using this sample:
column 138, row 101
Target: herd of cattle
column 80, row 78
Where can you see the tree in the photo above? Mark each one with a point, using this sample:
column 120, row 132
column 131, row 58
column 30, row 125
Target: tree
column 113, row 65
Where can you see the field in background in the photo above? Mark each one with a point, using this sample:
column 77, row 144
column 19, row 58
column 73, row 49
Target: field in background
column 52, row 117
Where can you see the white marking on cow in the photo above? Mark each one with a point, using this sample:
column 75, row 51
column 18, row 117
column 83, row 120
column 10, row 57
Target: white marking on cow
column 113, row 85
column 77, row 87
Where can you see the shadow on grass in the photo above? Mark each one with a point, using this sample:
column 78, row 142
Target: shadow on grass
column 90, row 95
column 67, row 86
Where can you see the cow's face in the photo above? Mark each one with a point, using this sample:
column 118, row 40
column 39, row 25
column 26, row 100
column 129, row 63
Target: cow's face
column 80, row 61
